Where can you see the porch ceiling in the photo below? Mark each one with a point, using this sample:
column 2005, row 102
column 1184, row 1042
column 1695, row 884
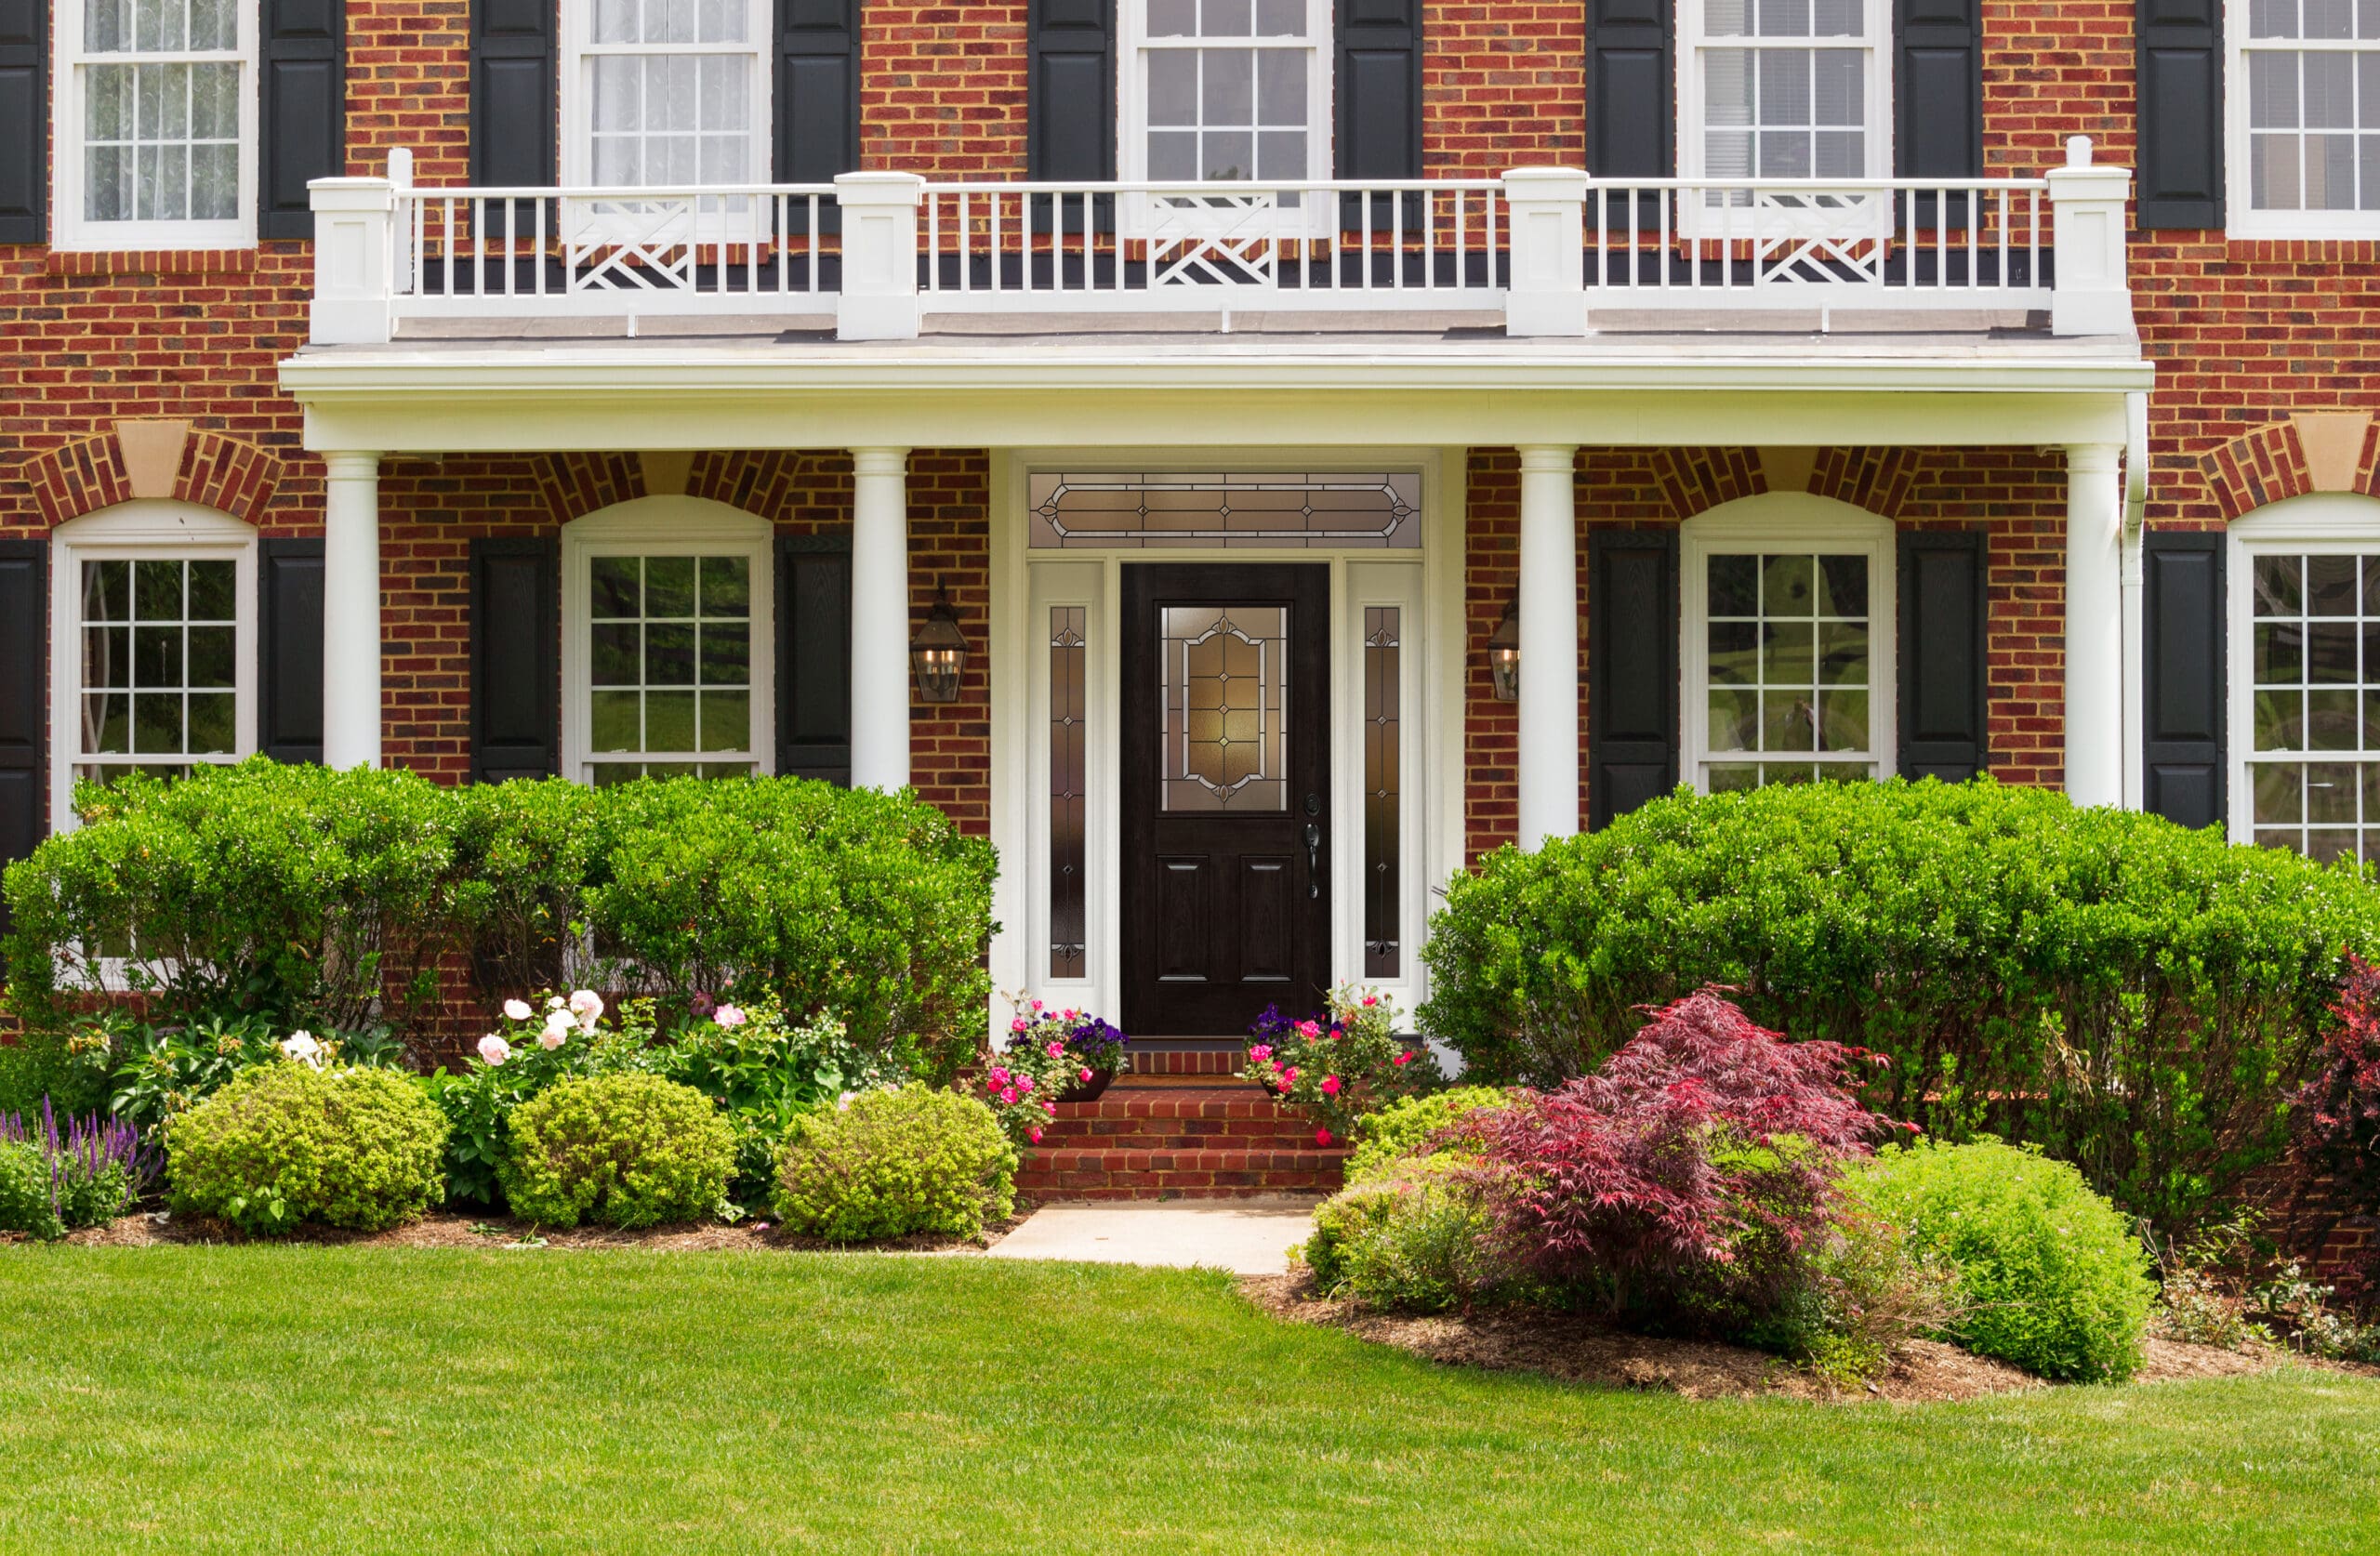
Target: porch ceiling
column 1051, row 380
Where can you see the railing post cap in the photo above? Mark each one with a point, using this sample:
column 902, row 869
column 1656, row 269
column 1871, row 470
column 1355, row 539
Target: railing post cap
column 350, row 194
column 2077, row 150
column 1547, row 183
column 880, row 189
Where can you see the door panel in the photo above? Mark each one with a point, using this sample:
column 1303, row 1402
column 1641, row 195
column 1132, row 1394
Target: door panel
column 1226, row 777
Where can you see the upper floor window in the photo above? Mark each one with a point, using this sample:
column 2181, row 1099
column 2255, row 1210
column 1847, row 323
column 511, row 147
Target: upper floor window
column 1785, row 88
column 156, row 123
column 665, row 92
column 1227, row 89
column 2306, row 118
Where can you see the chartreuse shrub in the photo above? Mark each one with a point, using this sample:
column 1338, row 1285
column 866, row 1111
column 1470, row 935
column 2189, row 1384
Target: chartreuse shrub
column 2049, row 1276
column 625, row 1149
column 1416, row 1126
column 890, row 1163
column 871, row 906
column 1415, row 1233
column 286, row 1144
column 25, row 1202
column 2138, row 998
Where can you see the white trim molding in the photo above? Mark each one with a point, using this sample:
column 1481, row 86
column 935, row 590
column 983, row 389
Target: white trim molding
column 188, row 111
column 1786, row 521
column 666, row 526
column 145, row 530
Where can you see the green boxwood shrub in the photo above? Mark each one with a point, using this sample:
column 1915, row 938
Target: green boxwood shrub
column 1415, row 1235
column 2048, row 1275
column 1405, row 1126
column 2138, row 998
column 891, row 1163
column 286, row 1144
column 627, row 1150
column 25, row 1203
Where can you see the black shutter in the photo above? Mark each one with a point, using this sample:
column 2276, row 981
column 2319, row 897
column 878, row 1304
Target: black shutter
column 1379, row 132
column 2182, row 756
column 1070, row 90
column 1944, row 689
column 24, row 610
column 1632, row 99
column 302, row 109
column 814, row 657
column 289, row 645
column 817, row 90
column 24, row 121
column 1631, row 670
column 1937, row 99
column 2181, row 112
column 516, row 654
column 512, row 93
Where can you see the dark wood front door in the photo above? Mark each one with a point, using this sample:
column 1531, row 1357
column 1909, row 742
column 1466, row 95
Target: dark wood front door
column 1225, row 793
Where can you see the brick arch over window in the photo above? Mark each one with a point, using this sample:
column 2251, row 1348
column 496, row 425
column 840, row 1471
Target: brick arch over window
column 1697, row 479
column 773, row 483
column 146, row 459
column 1876, row 479
column 2333, row 451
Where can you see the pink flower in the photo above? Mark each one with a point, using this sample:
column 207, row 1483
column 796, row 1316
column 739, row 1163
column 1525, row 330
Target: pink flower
column 1017, row 1026
column 1402, row 1058
column 1372, row 1000
column 999, row 1074
column 1036, row 1005
column 517, row 1009
column 1068, row 1014
column 1259, row 1053
column 1288, row 1079
column 1057, row 1050
column 1308, row 1029
column 1008, row 1094
column 730, row 1015
column 557, row 1028
column 1024, row 1083
column 551, row 1037
column 585, row 1003
column 1086, row 1073
column 494, row 1050
column 1330, row 1086
column 1322, row 1137
column 1033, row 1135
column 1050, row 1108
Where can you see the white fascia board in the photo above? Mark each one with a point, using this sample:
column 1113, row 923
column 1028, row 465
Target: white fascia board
column 513, row 400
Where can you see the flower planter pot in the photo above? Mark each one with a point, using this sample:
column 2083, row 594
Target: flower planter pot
column 1087, row 1091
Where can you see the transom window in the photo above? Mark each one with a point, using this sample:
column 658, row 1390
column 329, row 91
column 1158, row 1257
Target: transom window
column 1227, row 89
column 1786, row 88
column 159, row 95
column 2312, row 106
column 2314, row 648
column 667, row 92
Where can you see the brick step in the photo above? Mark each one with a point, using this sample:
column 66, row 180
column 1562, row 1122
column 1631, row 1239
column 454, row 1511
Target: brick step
column 1049, row 1174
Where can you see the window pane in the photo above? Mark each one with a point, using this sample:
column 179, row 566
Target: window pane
column 613, row 720
column 211, row 723
column 669, row 721
column 1384, row 790
column 1735, row 586
column 615, row 589
column 1173, row 19
column 668, row 587
column 1174, row 87
column 1068, row 699
column 726, row 722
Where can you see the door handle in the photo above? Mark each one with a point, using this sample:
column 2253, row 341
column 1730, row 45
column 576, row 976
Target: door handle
column 1312, row 859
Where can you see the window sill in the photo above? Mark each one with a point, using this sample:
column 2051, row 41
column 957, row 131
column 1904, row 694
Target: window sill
column 150, row 261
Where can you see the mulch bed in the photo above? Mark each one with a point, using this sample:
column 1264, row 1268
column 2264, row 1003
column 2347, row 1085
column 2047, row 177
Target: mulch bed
column 444, row 1229
column 1578, row 1349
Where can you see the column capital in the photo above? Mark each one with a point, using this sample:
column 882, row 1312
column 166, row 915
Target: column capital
column 880, row 461
column 351, row 464
column 1537, row 458
column 2098, row 458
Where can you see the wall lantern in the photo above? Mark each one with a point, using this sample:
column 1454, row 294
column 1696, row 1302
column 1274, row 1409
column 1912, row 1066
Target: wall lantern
column 1504, row 653
column 938, row 654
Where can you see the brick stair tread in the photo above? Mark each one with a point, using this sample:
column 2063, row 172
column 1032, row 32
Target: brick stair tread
column 1065, row 1159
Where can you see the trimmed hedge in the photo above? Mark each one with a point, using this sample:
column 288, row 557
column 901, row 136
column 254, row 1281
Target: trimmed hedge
column 625, row 1150
column 2138, row 998
column 329, row 899
column 893, row 1163
column 286, row 1144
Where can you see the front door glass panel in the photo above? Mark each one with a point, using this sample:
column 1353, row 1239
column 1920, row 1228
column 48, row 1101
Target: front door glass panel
column 1224, row 685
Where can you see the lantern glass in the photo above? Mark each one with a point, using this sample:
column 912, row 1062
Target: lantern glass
column 938, row 656
column 1504, row 657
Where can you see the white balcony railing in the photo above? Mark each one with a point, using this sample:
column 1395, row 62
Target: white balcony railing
column 880, row 251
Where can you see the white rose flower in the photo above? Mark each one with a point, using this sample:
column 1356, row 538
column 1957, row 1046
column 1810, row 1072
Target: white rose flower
column 517, row 1009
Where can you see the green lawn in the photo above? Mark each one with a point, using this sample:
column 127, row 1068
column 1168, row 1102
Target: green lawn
column 193, row 1399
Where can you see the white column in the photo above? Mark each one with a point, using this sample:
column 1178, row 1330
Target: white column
column 2094, row 627
column 1549, row 593
column 351, row 610
column 879, row 618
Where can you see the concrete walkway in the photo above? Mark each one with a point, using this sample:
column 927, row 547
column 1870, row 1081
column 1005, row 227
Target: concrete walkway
column 1245, row 1236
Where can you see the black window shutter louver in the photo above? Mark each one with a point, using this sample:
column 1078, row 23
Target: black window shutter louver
column 1070, row 90
column 1378, row 103
column 1631, row 670
column 512, row 93
column 2180, row 71
column 1944, row 693
column 301, row 109
column 23, row 769
column 814, row 657
column 1632, row 102
column 1937, row 99
column 817, row 98
column 2183, row 763
column 516, row 659
column 290, row 646
column 24, row 121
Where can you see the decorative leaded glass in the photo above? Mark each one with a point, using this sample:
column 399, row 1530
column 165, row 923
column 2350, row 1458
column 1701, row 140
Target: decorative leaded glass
column 159, row 664
column 1787, row 697
column 669, row 659
column 1383, row 788
column 2314, row 775
column 1224, row 685
column 1068, row 655
column 1159, row 511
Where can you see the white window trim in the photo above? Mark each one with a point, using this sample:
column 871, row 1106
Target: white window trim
column 1692, row 40
column 147, row 528
column 2321, row 520
column 665, row 527
column 1783, row 521
column 577, row 89
column 1132, row 90
column 2241, row 220
column 68, row 228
